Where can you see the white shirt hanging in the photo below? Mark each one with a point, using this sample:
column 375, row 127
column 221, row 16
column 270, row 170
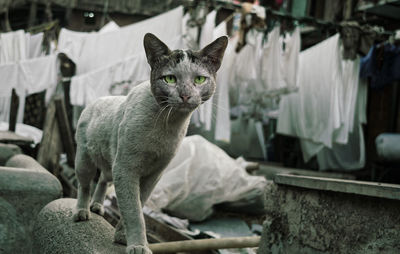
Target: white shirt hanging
column 204, row 112
column 224, row 77
column 88, row 87
column 91, row 51
column 313, row 113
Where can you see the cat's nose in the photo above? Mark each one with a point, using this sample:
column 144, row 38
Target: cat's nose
column 185, row 98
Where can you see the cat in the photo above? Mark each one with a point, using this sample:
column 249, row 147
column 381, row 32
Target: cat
column 132, row 138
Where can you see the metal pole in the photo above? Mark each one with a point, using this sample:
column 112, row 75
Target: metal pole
column 205, row 244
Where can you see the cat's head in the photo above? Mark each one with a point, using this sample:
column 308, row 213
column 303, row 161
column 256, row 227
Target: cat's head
column 183, row 79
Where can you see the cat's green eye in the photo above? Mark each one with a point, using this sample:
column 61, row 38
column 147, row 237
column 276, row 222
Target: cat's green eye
column 170, row 79
column 199, row 80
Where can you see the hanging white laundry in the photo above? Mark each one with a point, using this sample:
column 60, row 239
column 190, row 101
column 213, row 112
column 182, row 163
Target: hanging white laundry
column 8, row 81
column 290, row 59
column 347, row 97
column 271, row 63
column 327, row 112
column 313, row 113
column 247, row 83
column 350, row 156
column 34, row 45
column 207, row 29
column 204, row 112
column 91, row 51
column 347, row 104
column 27, row 77
column 13, row 46
column 88, row 87
column 189, row 34
column 39, row 74
column 224, row 77
column 109, row 27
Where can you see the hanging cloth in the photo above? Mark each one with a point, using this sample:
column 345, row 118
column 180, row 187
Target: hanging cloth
column 290, row 59
column 224, row 77
column 349, row 156
column 203, row 115
column 313, row 113
column 13, row 48
column 271, row 63
column 91, row 51
column 34, row 45
column 88, row 87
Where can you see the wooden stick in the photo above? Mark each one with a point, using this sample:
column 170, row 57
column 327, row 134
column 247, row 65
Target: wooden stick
column 13, row 111
column 65, row 130
column 205, row 244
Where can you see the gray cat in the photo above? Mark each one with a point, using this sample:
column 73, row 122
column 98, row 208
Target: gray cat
column 132, row 138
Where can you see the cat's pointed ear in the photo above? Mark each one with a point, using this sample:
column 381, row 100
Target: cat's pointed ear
column 154, row 48
column 214, row 52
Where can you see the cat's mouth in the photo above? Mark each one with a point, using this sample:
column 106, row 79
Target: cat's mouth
column 185, row 107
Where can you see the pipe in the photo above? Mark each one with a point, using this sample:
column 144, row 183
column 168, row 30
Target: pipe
column 205, row 244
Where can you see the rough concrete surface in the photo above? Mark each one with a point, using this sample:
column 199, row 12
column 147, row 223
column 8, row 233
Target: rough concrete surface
column 23, row 193
column 25, row 161
column 7, row 151
column 56, row 232
column 312, row 221
column 12, row 231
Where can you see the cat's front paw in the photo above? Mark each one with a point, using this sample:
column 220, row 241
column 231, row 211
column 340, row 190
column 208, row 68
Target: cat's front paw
column 97, row 208
column 81, row 215
column 138, row 249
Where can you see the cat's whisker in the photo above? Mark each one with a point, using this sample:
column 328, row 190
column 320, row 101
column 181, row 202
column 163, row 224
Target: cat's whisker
column 222, row 108
column 159, row 114
column 169, row 112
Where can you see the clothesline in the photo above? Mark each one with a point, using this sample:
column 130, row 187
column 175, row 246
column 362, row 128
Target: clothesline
column 303, row 20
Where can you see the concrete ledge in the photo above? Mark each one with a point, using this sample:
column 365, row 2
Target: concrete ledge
column 23, row 193
column 301, row 220
column 373, row 189
column 56, row 232
column 27, row 162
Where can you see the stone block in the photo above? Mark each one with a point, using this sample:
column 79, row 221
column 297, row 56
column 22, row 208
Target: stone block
column 56, row 232
column 23, row 193
column 302, row 220
column 7, row 151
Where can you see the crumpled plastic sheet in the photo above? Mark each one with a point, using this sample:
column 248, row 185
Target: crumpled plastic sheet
column 200, row 176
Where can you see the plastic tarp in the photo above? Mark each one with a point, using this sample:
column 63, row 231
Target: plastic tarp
column 200, row 176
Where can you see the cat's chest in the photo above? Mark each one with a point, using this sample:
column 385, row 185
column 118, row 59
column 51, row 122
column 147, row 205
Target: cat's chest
column 163, row 143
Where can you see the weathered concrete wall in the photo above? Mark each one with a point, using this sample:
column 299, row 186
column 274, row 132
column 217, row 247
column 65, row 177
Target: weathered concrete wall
column 56, row 232
column 23, row 193
column 312, row 221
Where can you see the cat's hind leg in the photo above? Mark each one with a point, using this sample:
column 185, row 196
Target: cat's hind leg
column 99, row 195
column 85, row 172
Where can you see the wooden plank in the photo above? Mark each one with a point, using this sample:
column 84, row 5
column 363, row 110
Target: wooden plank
column 50, row 146
column 65, row 130
column 9, row 137
column 372, row 189
column 13, row 111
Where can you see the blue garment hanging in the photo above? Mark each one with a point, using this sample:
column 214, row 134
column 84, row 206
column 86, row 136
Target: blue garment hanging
column 381, row 65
